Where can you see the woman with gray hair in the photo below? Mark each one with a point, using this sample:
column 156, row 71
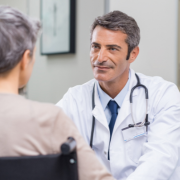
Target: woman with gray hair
column 29, row 127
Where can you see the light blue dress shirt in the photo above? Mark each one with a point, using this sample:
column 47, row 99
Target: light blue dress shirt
column 105, row 98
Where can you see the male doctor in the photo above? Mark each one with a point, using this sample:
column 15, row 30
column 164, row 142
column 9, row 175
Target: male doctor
column 128, row 153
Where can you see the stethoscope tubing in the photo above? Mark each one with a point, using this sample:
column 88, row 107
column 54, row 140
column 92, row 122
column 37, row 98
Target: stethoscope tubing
column 144, row 123
column 93, row 118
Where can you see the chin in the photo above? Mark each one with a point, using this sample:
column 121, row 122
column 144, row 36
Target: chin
column 100, row 77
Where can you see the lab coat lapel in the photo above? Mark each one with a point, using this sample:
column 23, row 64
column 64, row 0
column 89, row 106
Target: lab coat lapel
column 125, row 108
column 98, row 111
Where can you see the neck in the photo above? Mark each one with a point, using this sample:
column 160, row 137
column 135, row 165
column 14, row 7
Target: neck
column 113, row 88
column 9, row 82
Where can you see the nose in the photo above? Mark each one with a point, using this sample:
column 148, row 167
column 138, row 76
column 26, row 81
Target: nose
column 102, row 55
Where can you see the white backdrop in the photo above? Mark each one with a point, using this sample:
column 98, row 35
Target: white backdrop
column 158, row 22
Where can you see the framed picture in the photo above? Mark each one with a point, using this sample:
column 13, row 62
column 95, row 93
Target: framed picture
column 58, row 31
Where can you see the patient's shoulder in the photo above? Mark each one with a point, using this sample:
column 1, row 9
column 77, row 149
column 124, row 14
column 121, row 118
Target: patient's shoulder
column 43, row 110
column 19, row 109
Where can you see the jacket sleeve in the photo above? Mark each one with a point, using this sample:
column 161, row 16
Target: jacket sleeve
column 66, row 104
column 88, row 165
column 160, row 154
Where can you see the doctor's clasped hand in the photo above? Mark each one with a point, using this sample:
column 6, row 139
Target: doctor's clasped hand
column 131, row 121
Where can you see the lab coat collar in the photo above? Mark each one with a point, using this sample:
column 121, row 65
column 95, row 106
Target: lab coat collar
column 133, row 82
column 105, row 98
column 125, row 108
column 98, row 111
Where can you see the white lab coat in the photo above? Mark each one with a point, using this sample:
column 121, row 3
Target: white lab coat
column 135, row 159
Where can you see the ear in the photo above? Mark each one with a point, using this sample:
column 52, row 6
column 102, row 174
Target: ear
column 134, row 54
column 25, row 60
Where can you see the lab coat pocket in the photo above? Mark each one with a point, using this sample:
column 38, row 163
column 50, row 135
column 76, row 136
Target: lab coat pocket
column 134, row 139
column 130, row 133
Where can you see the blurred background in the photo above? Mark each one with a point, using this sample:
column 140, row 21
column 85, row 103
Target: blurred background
column 159, row 55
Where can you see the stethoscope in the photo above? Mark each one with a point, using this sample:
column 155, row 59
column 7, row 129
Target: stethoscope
column 143, row 123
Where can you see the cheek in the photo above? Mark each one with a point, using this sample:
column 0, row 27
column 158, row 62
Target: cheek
column 120, row 63
column 31, row 65
column 93, row 57
column 33, row 60
column 122, row 66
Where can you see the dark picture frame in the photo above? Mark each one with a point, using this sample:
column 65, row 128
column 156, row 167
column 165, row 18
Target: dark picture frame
column 58, row 19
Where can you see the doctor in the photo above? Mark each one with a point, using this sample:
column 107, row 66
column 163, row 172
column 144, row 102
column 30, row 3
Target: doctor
column 128, row 152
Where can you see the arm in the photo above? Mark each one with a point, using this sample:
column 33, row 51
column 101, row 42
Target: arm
column 88, row 165
column 160, row 154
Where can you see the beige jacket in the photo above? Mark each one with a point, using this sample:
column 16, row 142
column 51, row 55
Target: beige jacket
column 32, row 128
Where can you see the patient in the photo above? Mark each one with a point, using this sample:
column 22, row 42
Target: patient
column 29, row 127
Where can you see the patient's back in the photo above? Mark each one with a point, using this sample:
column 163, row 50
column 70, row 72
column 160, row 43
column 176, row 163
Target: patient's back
column 27, row 127
column 32, row 128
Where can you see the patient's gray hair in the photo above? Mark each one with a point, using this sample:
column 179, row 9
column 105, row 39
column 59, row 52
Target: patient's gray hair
column 18, row 33
column 119, row 21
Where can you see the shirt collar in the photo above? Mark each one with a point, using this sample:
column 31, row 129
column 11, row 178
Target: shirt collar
column 105, row 98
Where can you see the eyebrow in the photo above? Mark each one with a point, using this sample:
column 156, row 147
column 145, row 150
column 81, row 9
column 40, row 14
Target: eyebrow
column 114, row 46
column 109, row 45
column 95, row 44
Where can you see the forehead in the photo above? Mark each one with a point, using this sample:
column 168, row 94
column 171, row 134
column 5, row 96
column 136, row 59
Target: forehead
column 103, row 35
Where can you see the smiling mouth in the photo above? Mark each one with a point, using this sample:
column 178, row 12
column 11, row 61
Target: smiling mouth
column 102, row 67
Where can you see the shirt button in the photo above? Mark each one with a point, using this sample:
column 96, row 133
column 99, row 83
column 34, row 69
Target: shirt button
column 105, row 152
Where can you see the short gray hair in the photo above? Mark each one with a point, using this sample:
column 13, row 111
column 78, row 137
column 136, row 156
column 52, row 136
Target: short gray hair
column 119, row 21
column 18, row 33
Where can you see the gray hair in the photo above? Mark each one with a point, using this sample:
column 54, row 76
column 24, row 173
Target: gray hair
column 18, row 33
column 119, row 21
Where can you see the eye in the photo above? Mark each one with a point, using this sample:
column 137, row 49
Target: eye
column 112, row 49
column 95, row 47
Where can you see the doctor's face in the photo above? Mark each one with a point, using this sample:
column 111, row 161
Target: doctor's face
column 108, row 54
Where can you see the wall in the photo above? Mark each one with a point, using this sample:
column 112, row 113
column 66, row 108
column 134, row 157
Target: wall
column 53, row 75
column 158, row 22
column 18, row 4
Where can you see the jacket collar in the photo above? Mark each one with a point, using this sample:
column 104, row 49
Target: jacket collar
column 133, row 82
column 125, row 108
column 105, row 98
column 98, row 111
